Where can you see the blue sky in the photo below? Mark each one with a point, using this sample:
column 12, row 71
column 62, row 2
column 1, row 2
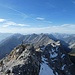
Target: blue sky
column 37, row 16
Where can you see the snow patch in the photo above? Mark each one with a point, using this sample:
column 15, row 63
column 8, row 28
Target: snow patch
column 53, row 55
column 45, row 70
column 53, row 50
column 17, row 50
column 57, row 48
column 63, row 67
column 62, row 55
column 43, row 48
column 44, row 60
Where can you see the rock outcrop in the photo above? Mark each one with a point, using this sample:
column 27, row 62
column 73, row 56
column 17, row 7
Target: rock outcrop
column 50, row 59
column 58, row 59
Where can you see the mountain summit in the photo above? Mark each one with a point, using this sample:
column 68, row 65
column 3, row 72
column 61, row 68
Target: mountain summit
column 37, row 40
column 49, row 59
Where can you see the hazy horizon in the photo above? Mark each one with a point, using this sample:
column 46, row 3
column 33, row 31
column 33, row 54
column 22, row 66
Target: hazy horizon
column 37, row 33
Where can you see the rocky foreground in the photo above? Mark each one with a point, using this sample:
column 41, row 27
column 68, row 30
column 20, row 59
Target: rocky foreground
column 25, row 59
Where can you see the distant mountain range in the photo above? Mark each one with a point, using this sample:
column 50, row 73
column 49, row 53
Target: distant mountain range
column 37, row 40
column 4, row 36
column 68, row 38
column 9, row 43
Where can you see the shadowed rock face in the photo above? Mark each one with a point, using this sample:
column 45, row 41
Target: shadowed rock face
column 37, row 40
column 59, row 60
column 50, row 59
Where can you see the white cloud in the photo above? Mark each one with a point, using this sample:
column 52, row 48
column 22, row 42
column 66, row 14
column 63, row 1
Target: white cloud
column 51, row 29
column 40, row 18
column 10, row 23
column 2, row 20
column 25, row 28
column 66, row 25
column 6, row 23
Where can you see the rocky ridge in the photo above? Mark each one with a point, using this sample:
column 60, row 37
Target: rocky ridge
column 50, row 59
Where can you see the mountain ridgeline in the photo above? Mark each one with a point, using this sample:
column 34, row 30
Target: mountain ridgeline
column 37, row 54
column 25, row 59
column 4, row 36
column 36, row 39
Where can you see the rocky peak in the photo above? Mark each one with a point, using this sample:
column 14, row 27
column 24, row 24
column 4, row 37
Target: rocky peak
column 58, row 60
column 23, row 60
column 50, row 59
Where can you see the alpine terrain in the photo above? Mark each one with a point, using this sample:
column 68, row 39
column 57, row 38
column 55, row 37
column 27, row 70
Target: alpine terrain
column 47, row 59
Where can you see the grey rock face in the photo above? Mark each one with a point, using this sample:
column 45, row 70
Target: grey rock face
column 23, row 60
column 50, row 59
column 58, row 60
column 30, row 64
